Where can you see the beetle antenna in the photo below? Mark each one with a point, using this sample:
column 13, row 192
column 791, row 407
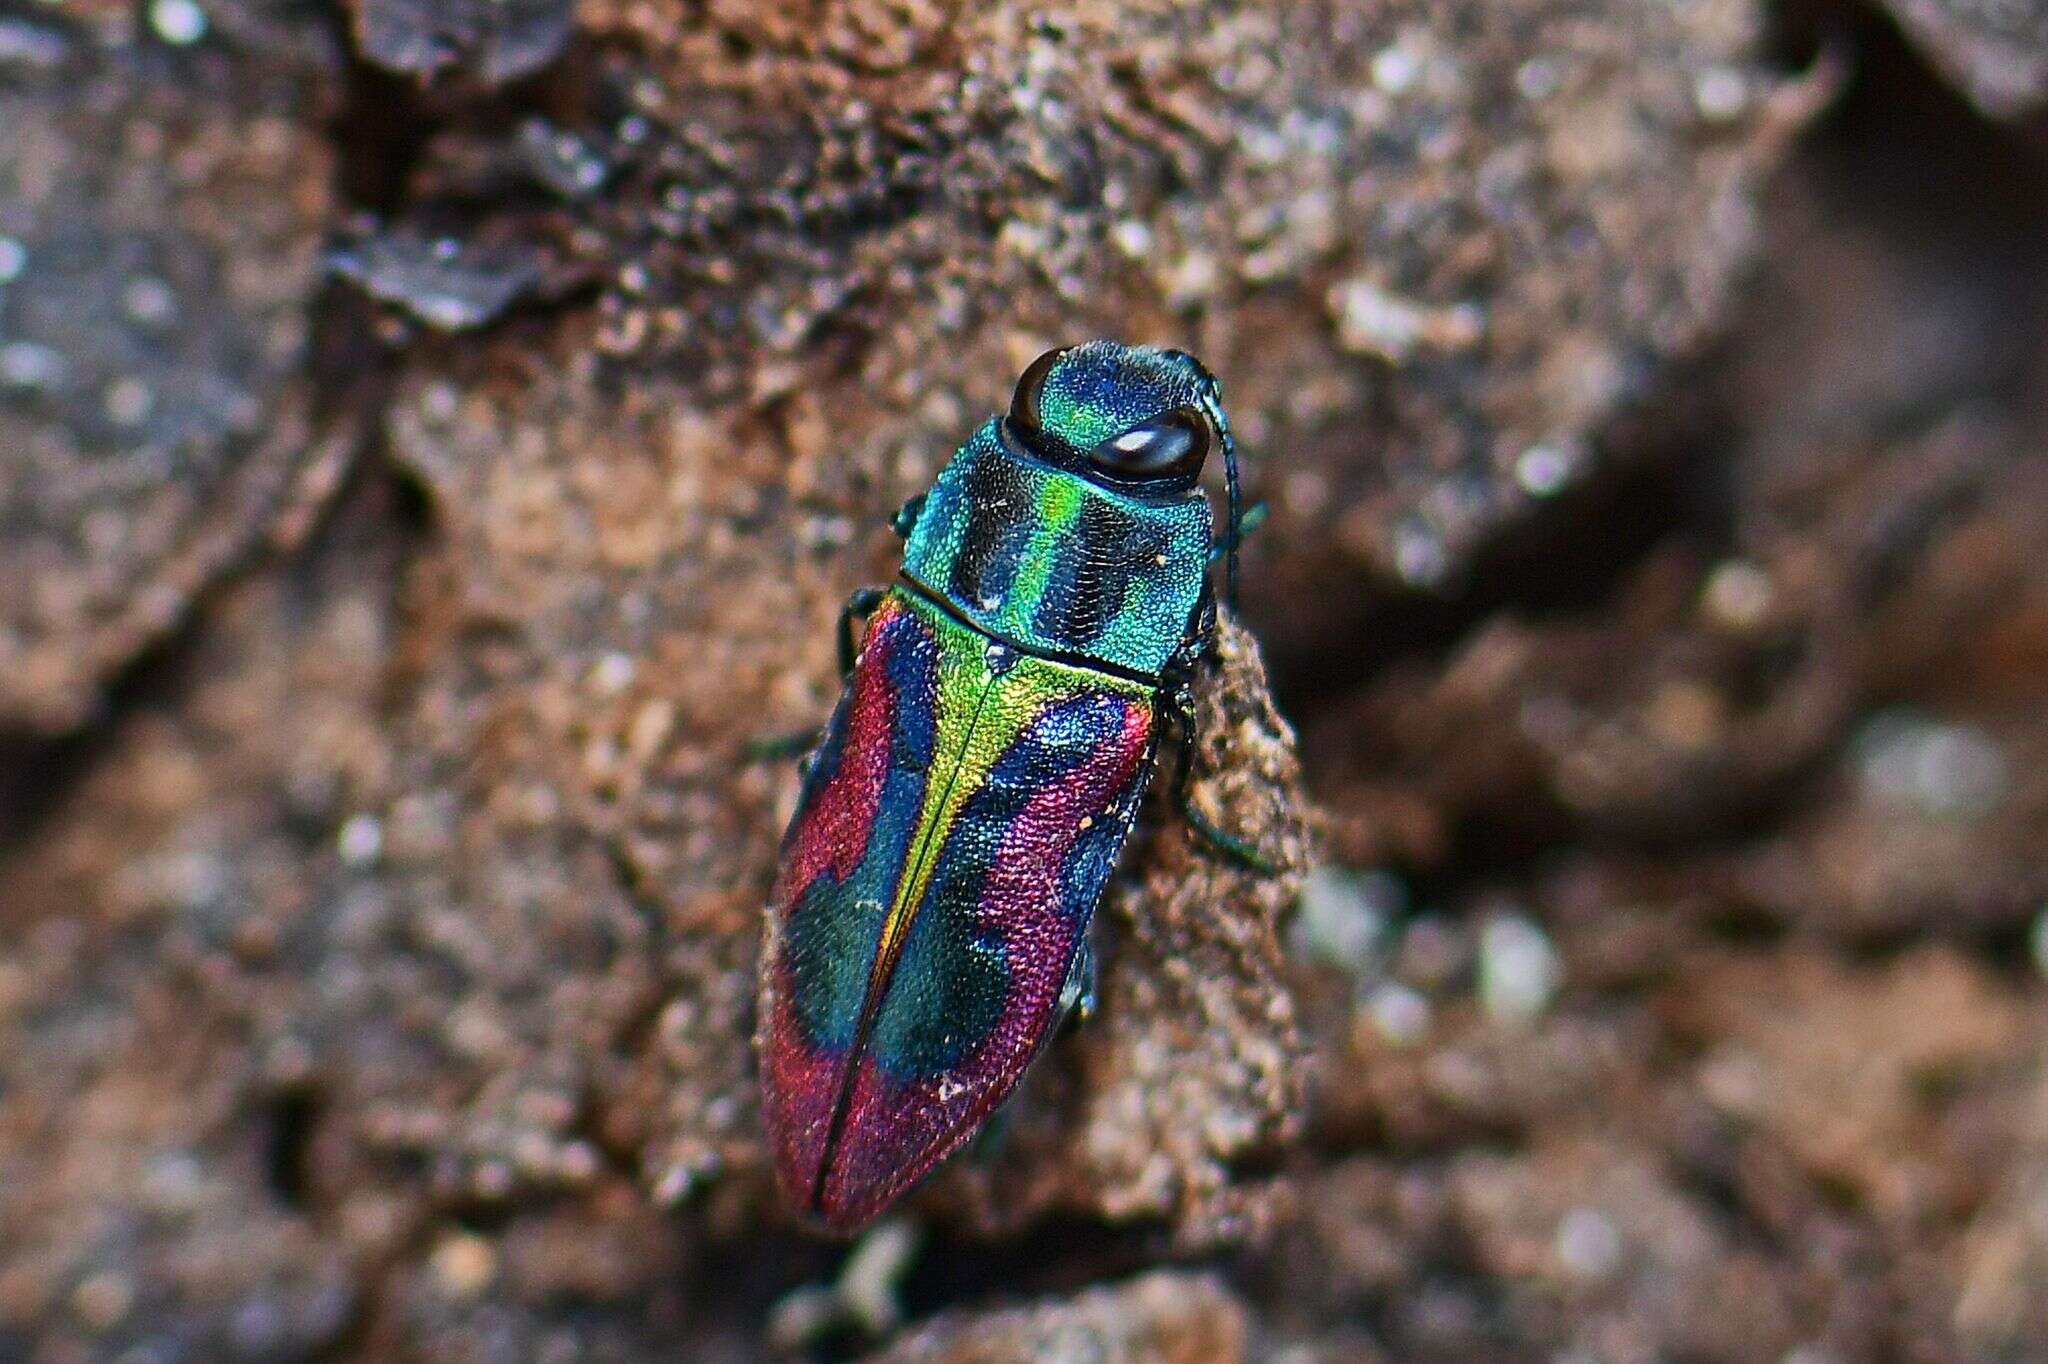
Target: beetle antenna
column 1235, row 532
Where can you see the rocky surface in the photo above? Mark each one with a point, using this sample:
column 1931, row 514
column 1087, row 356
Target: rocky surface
column 163, row 195
column 1652, row 581
column 1170, row 1318
column 1996, row 51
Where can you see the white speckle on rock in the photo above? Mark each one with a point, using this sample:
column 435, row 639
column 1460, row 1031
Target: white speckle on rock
column 1194, row 278
column 1344, row 915
column 24, row 364
column 1543, row 469
column 361, row 840
column 463, row 1264
column 1720, row 94
column 148, row 301
column 1419, row 555
column 1738, row 594
column 613, row 673
column 1519, row 970
column 178, row 22
column 1536, row 78
column 1588, row 1243
column 1371, row 321
column 1395, row 70
column 868, row 1284
column 1939, row 770
column 128, row 402
column 13, row 259
column 1399, row 1015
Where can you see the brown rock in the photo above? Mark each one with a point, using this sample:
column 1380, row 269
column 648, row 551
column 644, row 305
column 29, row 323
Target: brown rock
column 489, row 43
column 1850, row 1071
column 163, row 1131
column 1996, row 51
column 676, row 642
column 1159, row 1318
column 161, row 214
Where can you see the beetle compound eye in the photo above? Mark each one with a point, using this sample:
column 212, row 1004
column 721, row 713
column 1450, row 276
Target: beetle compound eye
column 1172, row 446
column 1026, row 422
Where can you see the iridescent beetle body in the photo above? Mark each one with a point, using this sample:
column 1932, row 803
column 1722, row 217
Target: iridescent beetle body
column 927, row 929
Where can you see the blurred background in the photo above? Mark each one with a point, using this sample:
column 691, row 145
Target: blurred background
column 435, row 438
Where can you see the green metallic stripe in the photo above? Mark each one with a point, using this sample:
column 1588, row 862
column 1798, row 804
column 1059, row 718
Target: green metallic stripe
column 910, row 887
column 982, row 743
column 1059, row 507
column 1000, row 531
column 924, row 839
column 932, row 596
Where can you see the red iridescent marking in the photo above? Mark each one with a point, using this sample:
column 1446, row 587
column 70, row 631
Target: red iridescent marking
column 896, row 1130
column 832, row 836
column 832, row 833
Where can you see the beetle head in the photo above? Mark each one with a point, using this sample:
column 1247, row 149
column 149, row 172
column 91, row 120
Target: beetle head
column 1129, row 416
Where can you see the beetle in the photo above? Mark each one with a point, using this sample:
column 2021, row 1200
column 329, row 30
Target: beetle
column 928, row 925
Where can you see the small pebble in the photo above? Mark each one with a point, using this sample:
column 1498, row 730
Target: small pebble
column 865, row 1297
column 1738, row 594
column 1132, row 237
column 361, row 840
column 874, row 1271
column 1371, row 321
column 13, row 260
column 148, row 301
column 801, row 1317
column 1419, row 555
column 1543, row 470
column 563, row 161
column 1399, row 1015
column 1940, row 770
column 128, row 402
column 24, row 364
column 1519, row 970
column 1720, row 94
column 1395, row 70
column 1536, row 79
column 1588, row 1243
column 1344, row 915
column 174, row 1184
column 178, row 22
column 613, row 673
column 463, row 1264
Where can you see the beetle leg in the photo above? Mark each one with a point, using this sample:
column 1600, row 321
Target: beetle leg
column 859, row 604
column 1077, row 996
column 781, row 746
column 799, row 745
column 1201, row 638
column 905, row 519
column 1179, row 710
column 1254, row 517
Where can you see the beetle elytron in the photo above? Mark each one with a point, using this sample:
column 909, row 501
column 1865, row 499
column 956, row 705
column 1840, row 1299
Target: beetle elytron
column 928, row 926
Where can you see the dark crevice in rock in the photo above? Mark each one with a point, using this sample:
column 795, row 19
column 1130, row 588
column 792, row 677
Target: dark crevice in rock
column 1661, row 478
column 293, row 1122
